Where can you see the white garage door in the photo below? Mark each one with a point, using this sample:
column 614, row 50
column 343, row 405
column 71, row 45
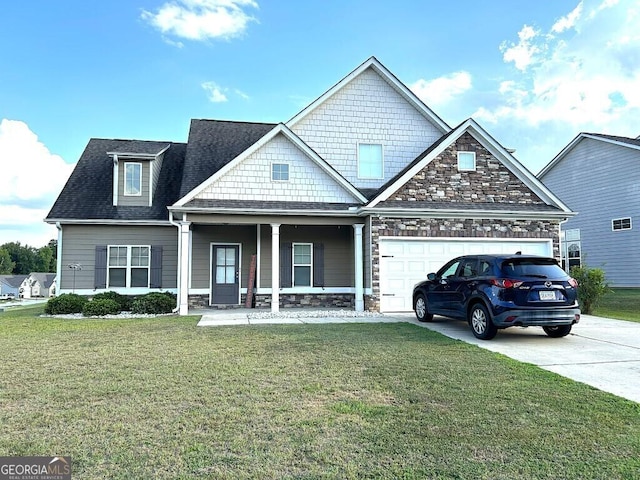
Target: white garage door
column 403, row 263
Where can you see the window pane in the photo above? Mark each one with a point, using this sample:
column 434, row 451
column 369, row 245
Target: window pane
column 369, row 160
column 139, row 256
column 220, row 275
column 280, row 171
column 466, row 161
column 230, row 256
column 117, row 277
column 139, row 277
column 302, row 254
column 117, row 256
column 301, row 276
column 132, row 178
column 231, row 274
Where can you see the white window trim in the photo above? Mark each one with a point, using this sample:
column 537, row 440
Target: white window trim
column 124, row 186
column 128, row 266
column 288, row 171
column 467, row 169
column 621, row 229
column 294, row 265
column 358, row 162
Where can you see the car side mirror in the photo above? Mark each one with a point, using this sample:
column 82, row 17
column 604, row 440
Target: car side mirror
column 431, row 276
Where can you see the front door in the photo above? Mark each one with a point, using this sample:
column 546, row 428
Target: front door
column 225, row 274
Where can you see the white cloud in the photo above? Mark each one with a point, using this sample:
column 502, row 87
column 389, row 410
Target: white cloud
column 584, row 72
column 214, row 92
column 31, row 179
column 568, row 21
column 442, row 90
column 202, row 19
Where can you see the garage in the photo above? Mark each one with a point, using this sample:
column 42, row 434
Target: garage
column 405, row 262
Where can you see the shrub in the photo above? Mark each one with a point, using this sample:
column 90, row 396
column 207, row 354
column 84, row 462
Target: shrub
column 123, row 301
column 65, row 304
column 591, row 287
column 101, row 306
column 154, row 303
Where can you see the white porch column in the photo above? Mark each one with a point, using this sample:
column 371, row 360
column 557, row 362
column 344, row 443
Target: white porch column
column 183, row 269
column 275, row 267
column 359, row 266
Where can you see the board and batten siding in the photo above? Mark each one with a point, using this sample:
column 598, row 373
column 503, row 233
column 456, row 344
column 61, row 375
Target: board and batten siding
column 367, row 110
column 601, row 182
column 79, row 246
column 134, row 200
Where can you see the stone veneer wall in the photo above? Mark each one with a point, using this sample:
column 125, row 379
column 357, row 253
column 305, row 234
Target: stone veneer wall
column 491, row 182
column 442, row 228
column 286, row 301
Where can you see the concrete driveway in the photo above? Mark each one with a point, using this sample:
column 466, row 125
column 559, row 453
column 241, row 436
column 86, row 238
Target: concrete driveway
column 600, row 352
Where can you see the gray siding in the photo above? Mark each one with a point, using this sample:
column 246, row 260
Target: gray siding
column 79, row 244
column 601, row 182
column 202, row 238
column 156, row 166
column 338, row 251
column 142, row 200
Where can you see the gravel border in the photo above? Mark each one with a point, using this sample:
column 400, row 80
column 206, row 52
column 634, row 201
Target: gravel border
column 313, row 314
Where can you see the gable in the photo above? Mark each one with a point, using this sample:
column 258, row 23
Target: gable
column 441, row 181
column 367, row 109
column 249, row 179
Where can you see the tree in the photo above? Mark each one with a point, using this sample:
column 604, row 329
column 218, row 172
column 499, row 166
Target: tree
column 6, row 264
column 592, row 285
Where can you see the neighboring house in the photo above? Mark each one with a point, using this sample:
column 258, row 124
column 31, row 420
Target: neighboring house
column 11, row 285
column 348, row 204
column 42, row 284
column 598, row 176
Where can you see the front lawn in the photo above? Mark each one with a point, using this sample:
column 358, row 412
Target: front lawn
column 620, row 303
column 162, row 398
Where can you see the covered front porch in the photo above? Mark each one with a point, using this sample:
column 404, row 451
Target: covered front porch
column 230, row 261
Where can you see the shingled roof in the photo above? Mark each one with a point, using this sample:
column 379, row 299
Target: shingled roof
column 89, row 190
column 214, row 143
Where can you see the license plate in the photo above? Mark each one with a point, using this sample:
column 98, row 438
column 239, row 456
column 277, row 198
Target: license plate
column 546, row 295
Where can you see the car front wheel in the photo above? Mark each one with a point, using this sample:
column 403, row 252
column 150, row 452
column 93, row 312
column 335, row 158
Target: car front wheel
column 481, row 324
column 420, row 306
column 557, row 331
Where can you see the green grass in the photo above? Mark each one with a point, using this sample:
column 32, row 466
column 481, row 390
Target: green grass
column 620, row 303
column 162, row 398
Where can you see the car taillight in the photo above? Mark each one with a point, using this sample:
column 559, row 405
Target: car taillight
column 505, row 283
column 573, row 282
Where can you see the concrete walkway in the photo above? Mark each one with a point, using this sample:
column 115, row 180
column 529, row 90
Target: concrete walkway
column 600, row 352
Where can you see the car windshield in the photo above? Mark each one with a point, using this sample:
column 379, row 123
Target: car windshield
column 532, row 267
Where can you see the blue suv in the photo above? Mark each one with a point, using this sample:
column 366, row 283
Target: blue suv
column 499, row 291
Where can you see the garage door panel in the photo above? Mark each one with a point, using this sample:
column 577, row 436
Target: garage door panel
column 403, row 263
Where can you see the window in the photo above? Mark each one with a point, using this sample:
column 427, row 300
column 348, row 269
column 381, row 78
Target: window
column 302, row 263
column 133, row 179
column 128, row 266
column 370, row 161
column 467, row 161
column 280, row 172
column 621, row 224
column 449, row 270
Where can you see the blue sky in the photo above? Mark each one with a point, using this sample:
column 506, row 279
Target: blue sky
column 533, row 74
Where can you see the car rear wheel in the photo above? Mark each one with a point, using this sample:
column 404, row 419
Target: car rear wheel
column 481, row 324
column 557, row 331
column 420, row 307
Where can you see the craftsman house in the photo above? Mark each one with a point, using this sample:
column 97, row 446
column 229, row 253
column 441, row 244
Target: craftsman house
column 348, row 204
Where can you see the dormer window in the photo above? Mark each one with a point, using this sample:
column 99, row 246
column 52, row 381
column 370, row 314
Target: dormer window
column 132, row 179
column 370, row 161
column 467, row 161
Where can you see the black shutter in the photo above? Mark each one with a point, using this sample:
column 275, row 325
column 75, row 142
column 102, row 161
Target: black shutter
column 156, row 267
column 318, row 265
column 100, row 269
column 286, row 264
